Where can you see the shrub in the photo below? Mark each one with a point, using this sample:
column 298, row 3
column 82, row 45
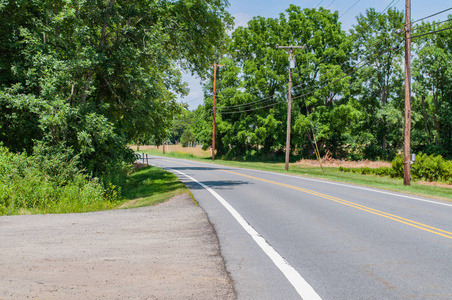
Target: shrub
column 447, row 175
column 398, row 166
column 383, row 171
column 36, row 184
column 428, row 167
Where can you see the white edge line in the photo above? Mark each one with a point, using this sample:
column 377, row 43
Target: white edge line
column 324, row 181
column 303, row 288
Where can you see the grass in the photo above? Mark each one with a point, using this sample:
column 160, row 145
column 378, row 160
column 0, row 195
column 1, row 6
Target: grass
column 150, row 186
column 331, row 173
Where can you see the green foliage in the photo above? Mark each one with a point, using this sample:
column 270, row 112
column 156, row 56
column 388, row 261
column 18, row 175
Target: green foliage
column 429, row 167
column 39, row 185
column 383, row 171
column 398, row 166
column 426, row 167
column 81, row 79
column 187, row 137
column 256, row 70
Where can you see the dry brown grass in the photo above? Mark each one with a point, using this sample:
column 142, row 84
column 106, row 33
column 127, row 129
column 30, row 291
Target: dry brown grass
column 444, row 185
column 196, row 151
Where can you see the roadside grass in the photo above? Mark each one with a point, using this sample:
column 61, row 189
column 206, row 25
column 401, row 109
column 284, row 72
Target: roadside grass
column 150, row 186
column 331, row 174
column 64, row 207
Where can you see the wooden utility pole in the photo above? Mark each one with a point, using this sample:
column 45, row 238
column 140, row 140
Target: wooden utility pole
column 407, row 131
column 215, row 65
column 289, row 97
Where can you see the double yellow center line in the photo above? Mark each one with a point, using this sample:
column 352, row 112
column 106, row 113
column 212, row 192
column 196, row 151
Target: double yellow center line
column 383, row 214
column 396, row 218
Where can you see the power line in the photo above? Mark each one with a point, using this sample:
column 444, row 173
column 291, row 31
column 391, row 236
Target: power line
column 430, row 24
column 266, row 99
column 199, row 98
column 431, row 32
column 349, row 9
column 319, row 3
column 331, row 4
column 244, row 106
column 389, row 5
column 251, row 109
column 435, row 14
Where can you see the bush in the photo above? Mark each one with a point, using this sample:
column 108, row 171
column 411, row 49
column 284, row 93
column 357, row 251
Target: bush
column 426, row 167
column 32, row 184
column 383, row 171
column 447, row 175
column 398, row 166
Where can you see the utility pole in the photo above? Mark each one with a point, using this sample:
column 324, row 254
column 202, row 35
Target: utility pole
column 289, row 96
column 407, row 130
column 215, row 65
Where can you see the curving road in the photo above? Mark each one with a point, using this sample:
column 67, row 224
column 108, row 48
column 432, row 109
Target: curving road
column 289, row 237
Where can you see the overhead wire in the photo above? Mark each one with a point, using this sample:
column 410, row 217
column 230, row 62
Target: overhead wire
column 435, row 14
column 250, row 109
column 331, row 4
column 431, row 32
column 349, row 9
column 319, row 3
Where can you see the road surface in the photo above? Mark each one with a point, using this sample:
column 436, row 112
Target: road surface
column 289, row 237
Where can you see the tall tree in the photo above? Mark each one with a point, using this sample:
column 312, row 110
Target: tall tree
column 103, row 72
column 378, row 85
column 431, row 72
column 253, row 84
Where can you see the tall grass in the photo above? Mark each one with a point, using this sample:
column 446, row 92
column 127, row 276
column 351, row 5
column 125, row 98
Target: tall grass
column 25, row 188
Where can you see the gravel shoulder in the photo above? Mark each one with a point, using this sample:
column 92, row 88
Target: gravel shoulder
column 168, row 251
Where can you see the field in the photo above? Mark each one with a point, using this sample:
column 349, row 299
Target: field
column 195, row 151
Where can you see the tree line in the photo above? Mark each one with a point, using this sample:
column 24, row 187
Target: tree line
column 79, row 80
column 348, row 87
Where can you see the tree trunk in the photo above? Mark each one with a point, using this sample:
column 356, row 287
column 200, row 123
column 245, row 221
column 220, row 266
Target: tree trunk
column 425, row 115
column 103, row 35
column 435, row 119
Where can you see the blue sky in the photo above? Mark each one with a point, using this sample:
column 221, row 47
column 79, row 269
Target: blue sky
column 245, row 10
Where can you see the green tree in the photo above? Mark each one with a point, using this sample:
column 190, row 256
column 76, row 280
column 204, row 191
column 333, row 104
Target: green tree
column 252, row 87
column 94, row 75
column 378, row 84
column 431, row 72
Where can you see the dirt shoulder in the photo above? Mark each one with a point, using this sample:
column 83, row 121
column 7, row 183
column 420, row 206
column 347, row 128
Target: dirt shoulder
column 168, row 251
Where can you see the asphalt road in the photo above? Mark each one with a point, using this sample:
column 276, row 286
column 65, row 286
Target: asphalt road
column 289, row 237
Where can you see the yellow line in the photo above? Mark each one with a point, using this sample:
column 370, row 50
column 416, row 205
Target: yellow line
column 357, row 206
